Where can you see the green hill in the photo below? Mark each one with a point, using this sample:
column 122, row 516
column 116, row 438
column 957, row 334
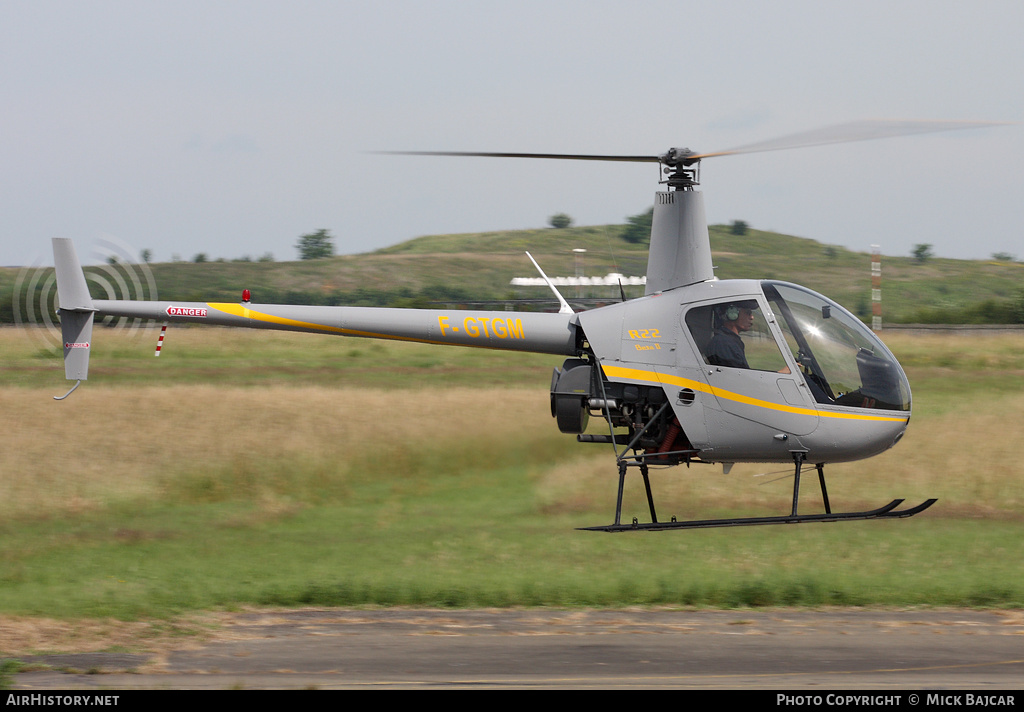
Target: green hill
column 480, row 266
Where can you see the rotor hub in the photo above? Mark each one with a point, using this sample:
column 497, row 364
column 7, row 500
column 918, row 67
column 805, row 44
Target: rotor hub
column 681, row 167
column 678, row 157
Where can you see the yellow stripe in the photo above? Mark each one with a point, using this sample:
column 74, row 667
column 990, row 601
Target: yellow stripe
column 247, row 313
column 660, row 378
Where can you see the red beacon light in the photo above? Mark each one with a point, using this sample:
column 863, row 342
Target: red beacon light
column 246, row 296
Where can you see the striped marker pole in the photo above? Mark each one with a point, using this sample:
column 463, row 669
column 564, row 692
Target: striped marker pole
column 876, row 289
column 160, row 341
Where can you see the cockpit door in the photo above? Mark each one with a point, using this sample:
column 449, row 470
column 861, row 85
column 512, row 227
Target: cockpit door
column 737, row 343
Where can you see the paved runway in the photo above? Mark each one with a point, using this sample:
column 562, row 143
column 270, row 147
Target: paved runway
column 980, row 651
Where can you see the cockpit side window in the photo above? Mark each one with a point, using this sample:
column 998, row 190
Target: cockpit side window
column 734, row 334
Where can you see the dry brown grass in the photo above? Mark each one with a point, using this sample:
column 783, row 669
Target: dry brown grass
column 977, row 351
column 115, row 444
column 24, row 635
column 105, row 445
column 970, row 459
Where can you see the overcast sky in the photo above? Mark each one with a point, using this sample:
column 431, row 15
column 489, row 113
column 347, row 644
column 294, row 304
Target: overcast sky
column 231, row 128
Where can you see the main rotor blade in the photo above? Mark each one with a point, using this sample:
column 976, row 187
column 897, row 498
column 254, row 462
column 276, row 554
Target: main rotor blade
column 850, row 132
column 840, row 133
column 565, row 156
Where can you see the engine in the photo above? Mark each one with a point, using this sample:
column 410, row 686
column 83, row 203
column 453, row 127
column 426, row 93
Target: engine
column 579, row 390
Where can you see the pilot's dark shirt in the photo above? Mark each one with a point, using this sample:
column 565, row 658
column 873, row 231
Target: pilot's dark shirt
column 726, row 349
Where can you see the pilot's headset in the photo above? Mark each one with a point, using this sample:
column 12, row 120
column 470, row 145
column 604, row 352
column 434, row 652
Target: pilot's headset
column 726, row 313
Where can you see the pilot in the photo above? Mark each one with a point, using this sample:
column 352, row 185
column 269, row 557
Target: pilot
column 726, row 347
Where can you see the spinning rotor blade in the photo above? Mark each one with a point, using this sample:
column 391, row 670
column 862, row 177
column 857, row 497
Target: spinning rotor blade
column 840, row 133
column 850, row 132
column 564, row 156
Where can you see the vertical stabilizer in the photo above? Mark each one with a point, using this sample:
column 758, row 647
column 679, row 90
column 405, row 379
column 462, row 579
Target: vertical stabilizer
column 76, row 331
column 75, row 308
column 680, row 251
column 72, row 290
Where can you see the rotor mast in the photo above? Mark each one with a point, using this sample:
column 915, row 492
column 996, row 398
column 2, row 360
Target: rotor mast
column 680, row 250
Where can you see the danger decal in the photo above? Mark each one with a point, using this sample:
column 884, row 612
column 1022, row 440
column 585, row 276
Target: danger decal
column 186, row 311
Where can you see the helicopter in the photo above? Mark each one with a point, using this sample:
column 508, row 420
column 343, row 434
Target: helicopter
column 696, row 371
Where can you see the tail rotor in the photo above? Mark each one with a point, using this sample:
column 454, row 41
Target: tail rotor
column 57, row 305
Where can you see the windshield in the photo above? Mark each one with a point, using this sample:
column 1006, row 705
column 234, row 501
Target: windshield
column 843, row 362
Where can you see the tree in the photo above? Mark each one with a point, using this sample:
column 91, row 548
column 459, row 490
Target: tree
column 922, row 252
column 559, row 221
column 146, row 255
column 738, row 227
column 315, row 245
column 1003, row 257
column 638, row 228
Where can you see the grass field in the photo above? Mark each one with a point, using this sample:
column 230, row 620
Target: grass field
column 249, row 468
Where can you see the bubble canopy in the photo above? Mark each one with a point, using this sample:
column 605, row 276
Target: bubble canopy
column 843, row 361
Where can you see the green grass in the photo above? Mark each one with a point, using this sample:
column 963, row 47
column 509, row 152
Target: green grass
column 444, row 547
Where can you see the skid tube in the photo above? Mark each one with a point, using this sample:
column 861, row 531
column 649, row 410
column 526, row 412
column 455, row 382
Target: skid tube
column 889, row 511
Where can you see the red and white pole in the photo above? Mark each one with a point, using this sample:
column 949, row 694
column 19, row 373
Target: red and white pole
column 160, row 341
column 876, row 289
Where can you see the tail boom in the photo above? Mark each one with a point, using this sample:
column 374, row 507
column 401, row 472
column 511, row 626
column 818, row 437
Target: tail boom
column 509, row 331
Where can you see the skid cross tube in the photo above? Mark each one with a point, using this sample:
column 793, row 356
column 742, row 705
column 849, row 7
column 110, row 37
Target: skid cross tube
column 889, row 511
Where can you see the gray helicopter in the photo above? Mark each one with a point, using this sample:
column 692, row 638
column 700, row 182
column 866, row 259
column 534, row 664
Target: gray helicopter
column 698, row 370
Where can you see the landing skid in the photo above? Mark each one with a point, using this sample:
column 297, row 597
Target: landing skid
column 889, row 511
